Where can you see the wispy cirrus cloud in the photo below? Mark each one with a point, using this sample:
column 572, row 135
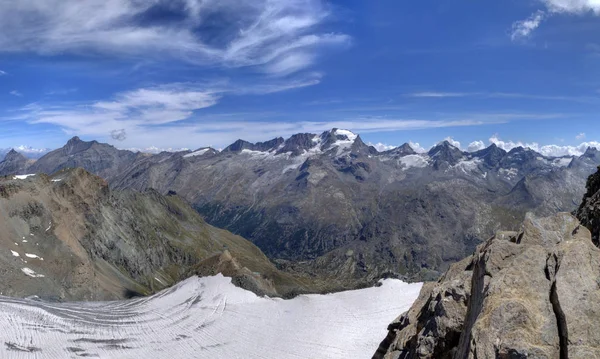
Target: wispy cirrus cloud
column 277, row 36
column 157, row 109
column 524, row 28
column 502, row 95
column 16, row 93
column 433, row 94
column 172, row 117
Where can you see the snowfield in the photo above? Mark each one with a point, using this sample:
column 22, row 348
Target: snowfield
column 206, row 318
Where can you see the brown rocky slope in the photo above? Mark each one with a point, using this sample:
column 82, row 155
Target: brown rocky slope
column 68, row 237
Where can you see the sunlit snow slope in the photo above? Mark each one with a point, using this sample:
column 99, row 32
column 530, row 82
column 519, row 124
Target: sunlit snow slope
column 206, row 318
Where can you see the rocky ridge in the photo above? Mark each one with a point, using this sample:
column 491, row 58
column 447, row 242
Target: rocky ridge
column 527, row 294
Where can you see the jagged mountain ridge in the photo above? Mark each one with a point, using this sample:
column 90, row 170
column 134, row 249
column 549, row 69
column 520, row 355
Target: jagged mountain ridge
column 329, row 204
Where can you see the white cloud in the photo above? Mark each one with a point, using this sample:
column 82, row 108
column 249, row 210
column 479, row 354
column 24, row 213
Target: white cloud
column 171, row 116
column 453, row 142
column 279, row 36
column 417, row 147
column 381, row 147
column 546, row 150
column 30, row 150
column 580, row 136
column 523, row 29
column 2, row 73
column 573, row 6
column 16, row 93
column 476, row 146
column 438, row 94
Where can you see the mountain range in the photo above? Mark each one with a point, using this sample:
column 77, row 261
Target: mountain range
column 329, row 205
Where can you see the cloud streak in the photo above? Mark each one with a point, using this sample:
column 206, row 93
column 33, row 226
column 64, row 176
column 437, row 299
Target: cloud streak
column 501, row 95
column 438, row 94
column 278, row 37
column 523, row 29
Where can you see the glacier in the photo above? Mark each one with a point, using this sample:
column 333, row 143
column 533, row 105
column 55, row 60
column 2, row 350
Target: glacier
column 206, row 317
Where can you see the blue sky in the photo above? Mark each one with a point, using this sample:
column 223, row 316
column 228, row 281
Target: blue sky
column 191, row 73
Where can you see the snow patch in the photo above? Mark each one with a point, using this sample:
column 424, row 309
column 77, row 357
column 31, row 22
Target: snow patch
column 510, row 173
column 417, row 161
column 29, row 255
column 15, row 254
column 343, row 145
column 22, row 177
column 467, row 166
column 561, row 162
column 197, row 153
column 31, row 273
column 351, row 136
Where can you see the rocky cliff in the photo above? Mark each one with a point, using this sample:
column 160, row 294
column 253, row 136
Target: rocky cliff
column 589, row 211
column 69, row 237
column 528, row 294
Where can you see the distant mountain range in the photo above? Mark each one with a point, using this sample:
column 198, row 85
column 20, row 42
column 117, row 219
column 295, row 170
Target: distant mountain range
column 332, row 206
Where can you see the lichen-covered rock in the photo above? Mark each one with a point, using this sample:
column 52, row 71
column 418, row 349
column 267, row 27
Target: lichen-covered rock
column 531, row 294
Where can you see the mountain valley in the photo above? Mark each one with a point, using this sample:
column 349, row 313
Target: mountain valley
column 331, row 206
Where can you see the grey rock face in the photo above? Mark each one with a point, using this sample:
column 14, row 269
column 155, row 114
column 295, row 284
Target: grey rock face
column 298, row 144
column 491, row 156
column 241, row 145
column 14, row 163
column 445, row 154
column 527, row 294
column 589, row 211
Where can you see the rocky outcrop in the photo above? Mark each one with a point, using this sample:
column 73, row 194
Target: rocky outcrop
column 528, row 294
column 589, row 211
